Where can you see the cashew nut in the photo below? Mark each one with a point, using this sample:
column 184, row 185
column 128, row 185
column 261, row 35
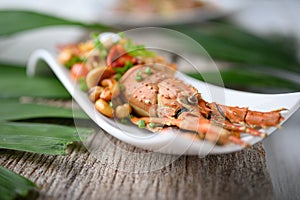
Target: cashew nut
column 96, row 75
column 123, row 111
column 95, row 92
column 113, row 85
column 86, row 46
column 106, row 94
column 64, row 56
column 104, row 108
column 108, row 82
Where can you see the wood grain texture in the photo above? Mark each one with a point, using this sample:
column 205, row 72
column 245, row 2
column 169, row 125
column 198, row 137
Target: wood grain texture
column 116, row 170
column 283, row 160
column 80, row 175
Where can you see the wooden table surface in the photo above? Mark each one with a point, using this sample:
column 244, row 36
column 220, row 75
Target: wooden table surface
column 80, row 175
column 113, row 173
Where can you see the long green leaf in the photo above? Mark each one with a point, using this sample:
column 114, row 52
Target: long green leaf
column 14, row 21
column 222, row 40
column 15, row 83
column 14, row 186
column 213, row 37
column 248, row 80
column 39, row 138
column 10, row 110
column 230, row 43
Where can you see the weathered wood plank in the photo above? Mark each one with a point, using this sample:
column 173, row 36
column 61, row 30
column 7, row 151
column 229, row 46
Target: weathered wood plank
column 241, row 175
column 116, row 170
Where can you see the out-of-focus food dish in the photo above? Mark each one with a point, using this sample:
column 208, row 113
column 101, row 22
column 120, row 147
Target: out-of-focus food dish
column 166, row 8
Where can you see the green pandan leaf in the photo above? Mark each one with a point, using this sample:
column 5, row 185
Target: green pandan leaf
column 13, row 110
column 231, row 43
column 14, row 186
column 247, row 79
column 15, row 83
column 39, row 138
column 14, row 21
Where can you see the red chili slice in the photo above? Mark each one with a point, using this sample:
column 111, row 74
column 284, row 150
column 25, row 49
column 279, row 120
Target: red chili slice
column 117, row 57
column 79, row 70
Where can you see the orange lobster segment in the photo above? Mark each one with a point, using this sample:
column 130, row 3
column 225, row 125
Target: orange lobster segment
column 160, row 98
column 264, row 119
column 248, row 117
column 202, row 126
column 243, row 129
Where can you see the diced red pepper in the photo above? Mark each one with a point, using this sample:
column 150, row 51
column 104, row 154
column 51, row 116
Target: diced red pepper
column 79, row 70
column 117, row 57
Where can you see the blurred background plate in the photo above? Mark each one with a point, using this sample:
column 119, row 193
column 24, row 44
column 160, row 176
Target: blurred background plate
column 121, row 13
column 158, row 13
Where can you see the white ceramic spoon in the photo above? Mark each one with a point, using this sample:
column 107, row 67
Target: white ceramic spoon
column 171, row 143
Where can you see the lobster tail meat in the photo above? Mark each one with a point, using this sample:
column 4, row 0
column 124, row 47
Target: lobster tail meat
column 264, row 119
column 242, row 115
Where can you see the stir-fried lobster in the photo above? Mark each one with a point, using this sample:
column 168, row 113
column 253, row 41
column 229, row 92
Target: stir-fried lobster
column 155, row 96
column 159, row 98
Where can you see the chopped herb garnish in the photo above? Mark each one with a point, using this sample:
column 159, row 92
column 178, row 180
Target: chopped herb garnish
column 111, row 104
column 122, row 87
column 73, row 61
column 138, row 78
column 122, row 70
column 148, row 70
column 98, row 45
column 124, row 121
column 137, row 50
column 152, row 125
column 141, row 123
column 118, row 76
column 82, row 84
column 128, row 64
column 139, row 73
column 121, row 34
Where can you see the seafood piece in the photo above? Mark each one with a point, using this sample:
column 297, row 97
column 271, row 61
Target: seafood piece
column 157, row 97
